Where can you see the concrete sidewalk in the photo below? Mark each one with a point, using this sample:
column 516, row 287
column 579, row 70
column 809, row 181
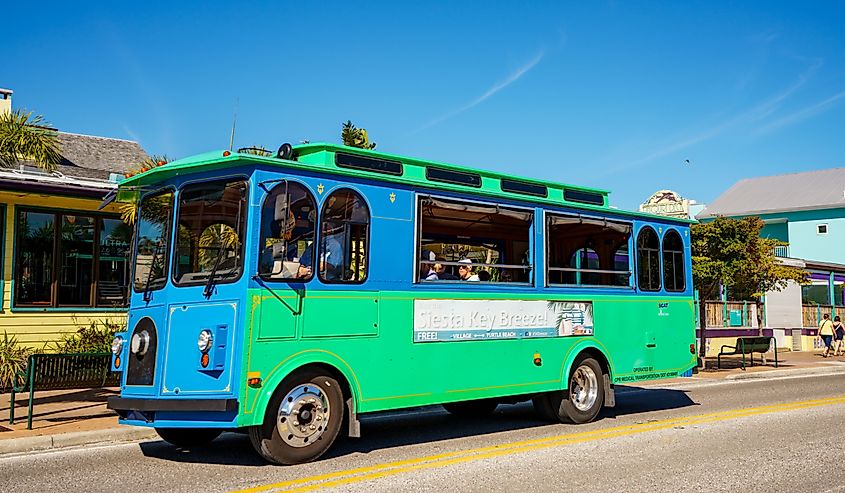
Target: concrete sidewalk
column 63, row 418
column 80, row 417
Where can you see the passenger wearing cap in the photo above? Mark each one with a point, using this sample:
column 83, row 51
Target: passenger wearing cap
column 465, row 271
column 427, row 272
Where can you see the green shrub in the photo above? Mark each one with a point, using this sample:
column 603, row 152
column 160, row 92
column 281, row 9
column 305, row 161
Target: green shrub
column 12, row 359
column 96, row 338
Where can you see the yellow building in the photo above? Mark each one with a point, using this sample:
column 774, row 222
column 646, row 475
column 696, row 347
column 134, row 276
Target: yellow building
column 65, row 262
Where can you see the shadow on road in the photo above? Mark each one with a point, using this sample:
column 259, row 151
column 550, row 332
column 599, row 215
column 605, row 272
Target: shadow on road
column 635, row 400
column 421, row 425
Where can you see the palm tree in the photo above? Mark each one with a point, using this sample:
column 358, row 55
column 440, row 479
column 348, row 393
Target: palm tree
column 355, row 137
column 24, row 136
column 156, row 209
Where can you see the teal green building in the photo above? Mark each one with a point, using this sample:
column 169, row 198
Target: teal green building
column 806, row 210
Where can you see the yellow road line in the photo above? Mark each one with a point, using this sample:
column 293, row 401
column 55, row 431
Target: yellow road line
column 441, row 460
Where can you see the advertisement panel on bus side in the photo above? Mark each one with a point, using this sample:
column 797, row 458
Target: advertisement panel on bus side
column 437, row 320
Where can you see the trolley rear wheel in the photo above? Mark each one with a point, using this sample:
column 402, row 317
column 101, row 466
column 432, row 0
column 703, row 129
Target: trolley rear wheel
column 583, row 400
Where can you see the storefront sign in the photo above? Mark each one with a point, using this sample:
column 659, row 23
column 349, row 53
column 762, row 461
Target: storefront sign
column 666, row 203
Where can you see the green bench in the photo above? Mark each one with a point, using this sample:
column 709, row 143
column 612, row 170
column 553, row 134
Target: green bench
column 749, row 346
column 62, row 371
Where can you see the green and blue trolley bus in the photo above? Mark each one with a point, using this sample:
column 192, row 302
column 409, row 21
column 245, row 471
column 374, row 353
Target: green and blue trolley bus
column 287, row 295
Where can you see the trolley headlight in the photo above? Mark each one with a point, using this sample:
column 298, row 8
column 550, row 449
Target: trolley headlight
column 140, row 343
column 117, row 345
column 204, row 341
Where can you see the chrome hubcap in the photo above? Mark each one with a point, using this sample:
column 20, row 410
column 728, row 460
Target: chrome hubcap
column 583, row 388
column 303, row 415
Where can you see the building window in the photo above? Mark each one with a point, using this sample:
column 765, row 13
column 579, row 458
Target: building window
column 817, row 293
column 473, row 241
column 76, row 260
column 587, row 251
column 821, row 229
column 344, row 238
column 673, row 262
column 113, row 267
column 82, row 263
column 288, row 228
column 211, row 223
column 648, row 260
column 35, row 248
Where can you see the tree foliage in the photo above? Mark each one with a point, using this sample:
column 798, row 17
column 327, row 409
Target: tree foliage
column 356, row 137
column 13, row 358
column 731, row 252
column 155, row 209
column 24, row 136
column 255, row 150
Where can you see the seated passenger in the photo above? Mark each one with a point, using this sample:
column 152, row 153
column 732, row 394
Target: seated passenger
column 443, row 274
column 304, row 271
column 465, row 271
column 484, row 275
column 331, row 257
column 427, row 272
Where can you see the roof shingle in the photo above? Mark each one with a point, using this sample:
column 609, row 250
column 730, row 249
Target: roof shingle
column 822, row 189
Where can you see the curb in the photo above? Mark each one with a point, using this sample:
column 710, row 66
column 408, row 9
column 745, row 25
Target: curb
column 828, row 370
column 13, row 446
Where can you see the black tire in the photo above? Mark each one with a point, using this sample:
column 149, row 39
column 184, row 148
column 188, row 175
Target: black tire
column 574, row 407
column 308, row 393
column 471, row 409
column 188, row 437
column 585, row 395
column 285, row 151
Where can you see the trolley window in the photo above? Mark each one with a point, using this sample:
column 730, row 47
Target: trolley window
column 288, row 229
column 210, row 231
column 344, row 238
column 154, row 220
column 469, row 241
column 648, row 260
column 587, row 251
column 673, row 262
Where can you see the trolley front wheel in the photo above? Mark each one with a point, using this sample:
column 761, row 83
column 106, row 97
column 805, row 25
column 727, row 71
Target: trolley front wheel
column 302, row 420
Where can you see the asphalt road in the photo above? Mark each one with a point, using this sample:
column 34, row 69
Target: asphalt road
column 784, row 434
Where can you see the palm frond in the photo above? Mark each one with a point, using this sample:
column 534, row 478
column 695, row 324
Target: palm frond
column 24, row 136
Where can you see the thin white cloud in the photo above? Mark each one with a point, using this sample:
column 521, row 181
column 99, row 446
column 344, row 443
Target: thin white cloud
column 132, row 135
column 510, row 79
column 801, row 114
column 750, row 116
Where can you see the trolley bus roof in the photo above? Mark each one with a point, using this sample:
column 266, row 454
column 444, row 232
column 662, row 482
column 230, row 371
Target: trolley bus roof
column 322, row 157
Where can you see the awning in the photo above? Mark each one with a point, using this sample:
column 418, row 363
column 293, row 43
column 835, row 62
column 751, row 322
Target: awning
column 557, row 220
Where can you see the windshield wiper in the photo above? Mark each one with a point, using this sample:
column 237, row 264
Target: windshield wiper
column 209, row 285
column 147, row 296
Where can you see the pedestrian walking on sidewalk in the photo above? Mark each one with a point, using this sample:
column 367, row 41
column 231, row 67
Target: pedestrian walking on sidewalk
column 838, row 336
column 826, row 334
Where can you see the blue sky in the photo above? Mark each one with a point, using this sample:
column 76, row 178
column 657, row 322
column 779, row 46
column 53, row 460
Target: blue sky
column 607, row 94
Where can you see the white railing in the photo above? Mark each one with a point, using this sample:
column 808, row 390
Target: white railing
column 782, row 251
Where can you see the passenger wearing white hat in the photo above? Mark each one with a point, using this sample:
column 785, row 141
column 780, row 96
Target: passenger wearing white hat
column 465, row 271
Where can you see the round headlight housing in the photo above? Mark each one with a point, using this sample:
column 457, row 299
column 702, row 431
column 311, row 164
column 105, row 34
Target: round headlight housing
column 205, row 340
column 140, row 343
column 117, row 345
